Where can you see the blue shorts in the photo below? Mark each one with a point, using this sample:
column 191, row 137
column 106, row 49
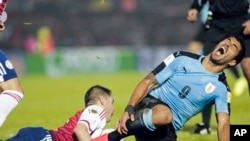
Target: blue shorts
column 7, row 70
column 32, row 134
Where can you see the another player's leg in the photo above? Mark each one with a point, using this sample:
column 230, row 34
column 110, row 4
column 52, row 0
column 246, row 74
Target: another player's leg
column 204, row 127
column 134, row 127
column 162, row 133
column 9, row 99
column 32, row 134
column 150, row 114
column 11, row 92
column 245, row 64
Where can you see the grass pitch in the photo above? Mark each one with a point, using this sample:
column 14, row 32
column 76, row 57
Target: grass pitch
column 49, row 102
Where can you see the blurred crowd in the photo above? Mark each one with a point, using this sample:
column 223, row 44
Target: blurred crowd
column 98, row 22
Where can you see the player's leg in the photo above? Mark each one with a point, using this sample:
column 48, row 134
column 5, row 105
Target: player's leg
column 207, row 115
column 134, row 127
column 150, row 114
column 9, row 99
column 204, row 126
column 245, row 63
column 155, row 123
column 32, row 134
column 142, row 124
column 11, row 92
column 162, row 133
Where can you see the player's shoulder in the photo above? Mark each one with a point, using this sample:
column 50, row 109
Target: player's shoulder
column 180, row 56
column 186, row 54
column 223, row 79
column 93, row 112
column 94, row 109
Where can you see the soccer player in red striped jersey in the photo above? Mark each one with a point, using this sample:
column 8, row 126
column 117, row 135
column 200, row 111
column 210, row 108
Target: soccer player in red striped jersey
column 84, row 125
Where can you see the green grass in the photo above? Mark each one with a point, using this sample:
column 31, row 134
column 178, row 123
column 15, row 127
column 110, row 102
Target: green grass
column 48, row 102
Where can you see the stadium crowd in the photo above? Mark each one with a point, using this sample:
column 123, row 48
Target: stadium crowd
column 98, row 22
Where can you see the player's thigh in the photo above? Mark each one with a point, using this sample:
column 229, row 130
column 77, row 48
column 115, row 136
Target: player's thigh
column 162, row 115
column 11, row 84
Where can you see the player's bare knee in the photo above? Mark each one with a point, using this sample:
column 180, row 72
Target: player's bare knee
column 162, row 115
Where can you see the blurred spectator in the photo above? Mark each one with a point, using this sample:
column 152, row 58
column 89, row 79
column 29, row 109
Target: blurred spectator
column 100, row 22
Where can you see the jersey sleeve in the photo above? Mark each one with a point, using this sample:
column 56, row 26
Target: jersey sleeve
column 93, row 117
column 222, row 103
column 165, row 69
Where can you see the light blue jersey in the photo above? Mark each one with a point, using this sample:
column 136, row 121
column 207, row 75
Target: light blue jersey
column 186, row 86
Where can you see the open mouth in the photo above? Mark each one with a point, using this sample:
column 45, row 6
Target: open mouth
column 221, row 51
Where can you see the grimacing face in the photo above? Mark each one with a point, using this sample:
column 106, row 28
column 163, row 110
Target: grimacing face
column 225, row 51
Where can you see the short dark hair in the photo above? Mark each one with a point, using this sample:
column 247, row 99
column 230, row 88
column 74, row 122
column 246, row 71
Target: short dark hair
column 94, row 92
column 242, row 52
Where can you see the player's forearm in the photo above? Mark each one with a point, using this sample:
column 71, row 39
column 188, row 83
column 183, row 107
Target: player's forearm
column 81, row 133
column 142, row 89
column 138, row 94
column 223, row 127
column 224, row 135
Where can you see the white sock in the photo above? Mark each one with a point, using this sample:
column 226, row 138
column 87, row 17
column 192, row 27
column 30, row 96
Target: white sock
column 9, row 99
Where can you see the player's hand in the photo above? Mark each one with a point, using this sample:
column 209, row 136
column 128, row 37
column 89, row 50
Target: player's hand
column 2, row 26
column 192, row 15
column 122, row 129
column 127, row 115
column 246, row 26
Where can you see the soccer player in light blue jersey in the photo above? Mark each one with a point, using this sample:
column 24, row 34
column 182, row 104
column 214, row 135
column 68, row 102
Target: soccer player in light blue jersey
column 224, row 17
column 176, row 90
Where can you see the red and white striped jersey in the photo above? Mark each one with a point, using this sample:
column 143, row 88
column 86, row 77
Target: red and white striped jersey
column 92, row 116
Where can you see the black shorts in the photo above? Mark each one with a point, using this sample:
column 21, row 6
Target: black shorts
column 200, row 35
column 162, row 133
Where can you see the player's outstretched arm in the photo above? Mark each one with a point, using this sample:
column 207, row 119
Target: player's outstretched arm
column 223, row 128
column 138, row 94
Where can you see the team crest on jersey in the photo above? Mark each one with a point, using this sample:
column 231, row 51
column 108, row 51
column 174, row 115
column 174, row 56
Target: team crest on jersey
column 8, row 64
column 209, row 88
column 94, row 111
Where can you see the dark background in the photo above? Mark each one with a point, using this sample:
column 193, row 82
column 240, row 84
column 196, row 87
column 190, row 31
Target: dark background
column 97, row 22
